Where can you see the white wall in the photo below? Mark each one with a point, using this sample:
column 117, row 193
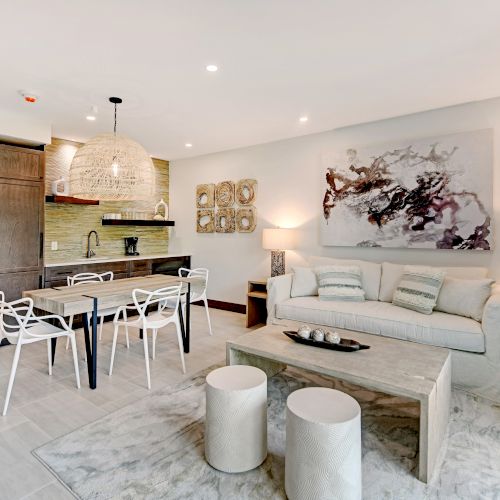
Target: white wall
column 291, row 186
column 23, row 128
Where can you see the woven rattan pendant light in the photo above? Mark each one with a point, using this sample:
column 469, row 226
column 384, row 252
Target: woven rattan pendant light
column 112, row 167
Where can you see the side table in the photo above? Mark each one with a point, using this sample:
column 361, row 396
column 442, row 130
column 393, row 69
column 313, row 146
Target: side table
column 256, row 302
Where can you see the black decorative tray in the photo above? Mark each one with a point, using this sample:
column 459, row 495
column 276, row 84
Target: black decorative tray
column 346, row 345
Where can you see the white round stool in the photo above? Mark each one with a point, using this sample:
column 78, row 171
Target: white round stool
column 236, row 418
column 323, row 445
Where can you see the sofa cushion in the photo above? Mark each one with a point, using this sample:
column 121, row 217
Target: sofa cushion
column 304, row 282
column 340, row 283
column 370, row 272
column 386, row 319
column 419, row 288
column 464, row 297
column 391, row 274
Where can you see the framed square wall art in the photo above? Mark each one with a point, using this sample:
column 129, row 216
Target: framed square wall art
column 431, row 193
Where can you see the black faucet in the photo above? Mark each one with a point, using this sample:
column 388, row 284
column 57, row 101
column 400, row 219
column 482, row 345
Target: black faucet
column 90, row 252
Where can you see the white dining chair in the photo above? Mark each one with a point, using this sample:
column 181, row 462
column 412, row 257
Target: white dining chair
column 198, row 292
column 153, row 321
column 20, row 326
column 88, row 278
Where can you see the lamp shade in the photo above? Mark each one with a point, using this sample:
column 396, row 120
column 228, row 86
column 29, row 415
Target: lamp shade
column 112, row 167
column 278, row 239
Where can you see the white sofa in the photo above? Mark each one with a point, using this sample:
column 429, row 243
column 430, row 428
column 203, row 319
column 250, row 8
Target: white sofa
column 475, row 346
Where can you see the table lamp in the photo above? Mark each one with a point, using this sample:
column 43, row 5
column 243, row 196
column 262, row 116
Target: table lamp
column 278, row 240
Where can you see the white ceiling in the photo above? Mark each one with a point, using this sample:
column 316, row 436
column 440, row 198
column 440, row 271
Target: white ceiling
column 339, row 62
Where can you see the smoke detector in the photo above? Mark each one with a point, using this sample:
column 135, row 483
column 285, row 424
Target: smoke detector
column 30, row 97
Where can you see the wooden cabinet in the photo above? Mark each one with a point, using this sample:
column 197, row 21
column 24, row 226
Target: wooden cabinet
column 256, row 302
column 21, row 220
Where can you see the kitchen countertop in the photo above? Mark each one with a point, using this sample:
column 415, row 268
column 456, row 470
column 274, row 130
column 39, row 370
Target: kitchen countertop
column 98, row 259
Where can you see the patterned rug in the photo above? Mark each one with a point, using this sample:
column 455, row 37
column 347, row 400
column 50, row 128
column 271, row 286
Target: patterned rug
column 154, row 449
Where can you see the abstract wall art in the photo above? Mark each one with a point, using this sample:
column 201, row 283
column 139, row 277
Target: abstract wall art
column 245, row 220
column 224, row 194
column 205, row 196
column 427, row 193
column 225, row 220
column 246, row 191
column 205, row 222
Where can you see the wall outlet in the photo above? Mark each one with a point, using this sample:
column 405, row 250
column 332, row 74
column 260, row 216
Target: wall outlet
column 53, row 245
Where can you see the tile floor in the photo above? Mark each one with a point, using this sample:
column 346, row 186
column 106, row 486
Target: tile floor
column 43, row 408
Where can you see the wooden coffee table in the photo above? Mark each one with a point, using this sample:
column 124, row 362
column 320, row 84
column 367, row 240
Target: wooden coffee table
column 416, row 371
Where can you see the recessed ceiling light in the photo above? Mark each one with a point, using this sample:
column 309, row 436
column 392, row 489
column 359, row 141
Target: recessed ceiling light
column 91, row 118
column 303, row 119
column 212, row 68
column 188, row 145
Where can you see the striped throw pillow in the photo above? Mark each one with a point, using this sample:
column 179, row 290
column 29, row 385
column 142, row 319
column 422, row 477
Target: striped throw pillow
column 340, row 283
column 418, row 288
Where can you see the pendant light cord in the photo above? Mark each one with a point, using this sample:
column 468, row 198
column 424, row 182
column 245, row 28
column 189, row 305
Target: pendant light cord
column 115, row 120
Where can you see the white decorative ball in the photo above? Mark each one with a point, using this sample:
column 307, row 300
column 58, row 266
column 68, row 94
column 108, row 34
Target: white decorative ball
column 319, row 335
column 304, row 332
column 332, row 338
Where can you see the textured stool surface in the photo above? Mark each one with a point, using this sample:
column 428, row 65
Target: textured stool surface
column 236, row 378
column 323, row 406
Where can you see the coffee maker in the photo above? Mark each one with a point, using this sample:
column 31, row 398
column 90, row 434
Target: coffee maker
column 131, row 245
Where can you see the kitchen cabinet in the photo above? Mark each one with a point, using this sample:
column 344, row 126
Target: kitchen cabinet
column 56, row 275
column 21, row 219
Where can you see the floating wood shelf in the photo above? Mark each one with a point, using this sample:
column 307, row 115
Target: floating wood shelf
column 130, row 222
column 70, row 199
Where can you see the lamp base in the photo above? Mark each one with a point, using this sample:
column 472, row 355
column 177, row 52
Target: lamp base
column 277, row 262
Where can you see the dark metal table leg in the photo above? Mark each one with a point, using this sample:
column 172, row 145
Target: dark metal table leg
column 188, row 319
column 88, row 350
column 93, row 384
column 53, row 342
column 183, row 328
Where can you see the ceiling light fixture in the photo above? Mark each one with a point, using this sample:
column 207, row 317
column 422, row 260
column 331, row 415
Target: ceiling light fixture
column 188, row 145
column 112, row 167
column 303, row 119
column 91, row 118
column 212, row 68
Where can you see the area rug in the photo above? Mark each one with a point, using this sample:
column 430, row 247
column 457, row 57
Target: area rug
column 154, row 449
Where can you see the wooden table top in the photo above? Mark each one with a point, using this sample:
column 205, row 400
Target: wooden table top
column 70, row 300
column 390, row 365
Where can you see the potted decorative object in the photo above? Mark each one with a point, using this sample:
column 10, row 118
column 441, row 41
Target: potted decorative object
column 158, row 215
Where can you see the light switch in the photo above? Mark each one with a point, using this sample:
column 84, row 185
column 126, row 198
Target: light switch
column 53, row 245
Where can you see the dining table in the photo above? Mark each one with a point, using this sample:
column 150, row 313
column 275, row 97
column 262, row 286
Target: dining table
column 87, row 299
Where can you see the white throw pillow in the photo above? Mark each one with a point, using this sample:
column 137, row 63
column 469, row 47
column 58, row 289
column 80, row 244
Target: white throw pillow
column 464, row 297
column 418, row 288
column 391, row 275
column 304, row 282
column 340, row 283
column 370, row 272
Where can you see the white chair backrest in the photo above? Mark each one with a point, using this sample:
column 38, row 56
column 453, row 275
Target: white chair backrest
column 20, row 314
column 197, row 290
column 144, row 298
column 85, row 278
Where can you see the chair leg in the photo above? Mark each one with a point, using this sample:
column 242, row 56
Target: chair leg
column 75, row 359
column 146, row 355
column 70, row 324
column 113, row 349
column 15, row 361
column 126, row 336
column 208, row 315
column 49, row 355
column 155, row 333
column 100, row 328
column 181, row 345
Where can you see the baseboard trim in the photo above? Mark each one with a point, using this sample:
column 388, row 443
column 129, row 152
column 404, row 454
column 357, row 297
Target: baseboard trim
column 225, row 306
